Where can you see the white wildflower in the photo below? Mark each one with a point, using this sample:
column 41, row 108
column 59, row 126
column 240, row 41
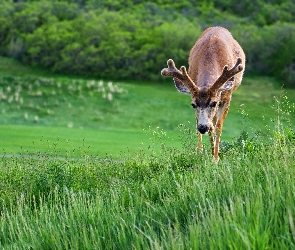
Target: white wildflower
column 111, row 87
column 90, row 84
column 110, row 97
column 2, row 96
column 16, row 96
column 49, row 112
column 10, row 99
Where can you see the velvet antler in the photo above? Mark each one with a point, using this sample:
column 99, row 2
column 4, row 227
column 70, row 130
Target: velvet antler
column 181, row 75
column 227, row 74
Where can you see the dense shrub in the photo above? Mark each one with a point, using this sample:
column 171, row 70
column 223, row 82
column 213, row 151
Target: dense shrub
column 269, row 50
column 111, row 45
column 134, row 39
column 6, row 23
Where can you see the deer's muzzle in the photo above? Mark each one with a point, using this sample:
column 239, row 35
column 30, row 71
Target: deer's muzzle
column 203, row 129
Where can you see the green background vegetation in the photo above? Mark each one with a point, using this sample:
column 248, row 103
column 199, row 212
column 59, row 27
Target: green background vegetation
column 133, row 39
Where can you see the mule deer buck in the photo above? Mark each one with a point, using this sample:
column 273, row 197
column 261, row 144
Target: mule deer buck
column 216, row 67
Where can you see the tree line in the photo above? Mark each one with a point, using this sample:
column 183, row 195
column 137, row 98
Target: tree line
column 132, row 39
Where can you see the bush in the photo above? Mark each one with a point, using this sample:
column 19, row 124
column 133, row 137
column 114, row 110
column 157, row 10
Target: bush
column 269, row 50
column 169, row 40
column 110, row 45
column 6, row 22
column 88, row 38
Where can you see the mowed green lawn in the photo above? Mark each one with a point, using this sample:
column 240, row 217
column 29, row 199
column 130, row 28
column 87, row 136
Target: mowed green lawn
column 68, row 116
column 17, row 139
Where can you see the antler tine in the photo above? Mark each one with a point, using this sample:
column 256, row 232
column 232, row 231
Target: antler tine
column 227, row 74
column 179, row 74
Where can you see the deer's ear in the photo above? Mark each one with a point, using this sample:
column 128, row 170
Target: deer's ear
column 227, row 86
column 180, row 86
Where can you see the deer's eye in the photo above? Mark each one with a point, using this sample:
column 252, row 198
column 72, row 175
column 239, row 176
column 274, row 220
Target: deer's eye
column 213, row 104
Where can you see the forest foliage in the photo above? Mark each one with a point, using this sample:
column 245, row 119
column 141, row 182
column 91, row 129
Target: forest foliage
column 118, row 39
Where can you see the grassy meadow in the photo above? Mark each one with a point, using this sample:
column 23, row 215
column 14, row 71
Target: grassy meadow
column 96, row 164
column 54, row 113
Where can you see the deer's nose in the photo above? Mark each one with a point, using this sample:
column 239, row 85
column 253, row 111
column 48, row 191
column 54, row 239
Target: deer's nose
column 203, row 129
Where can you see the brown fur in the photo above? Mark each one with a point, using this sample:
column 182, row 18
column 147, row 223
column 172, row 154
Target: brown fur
column 214, row 49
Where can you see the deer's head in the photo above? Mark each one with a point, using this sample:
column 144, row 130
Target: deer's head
column 205, row 100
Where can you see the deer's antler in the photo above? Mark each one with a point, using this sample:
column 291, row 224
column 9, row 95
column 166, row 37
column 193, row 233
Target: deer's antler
column 181, row 75
column 227, row 74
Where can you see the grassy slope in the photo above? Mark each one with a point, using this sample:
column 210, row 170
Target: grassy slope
column 173, row 200
column 112, row 127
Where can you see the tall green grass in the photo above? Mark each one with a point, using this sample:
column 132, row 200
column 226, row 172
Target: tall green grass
column 175, row 199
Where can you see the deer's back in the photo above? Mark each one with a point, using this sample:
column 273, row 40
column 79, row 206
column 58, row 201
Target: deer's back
column 212, row 51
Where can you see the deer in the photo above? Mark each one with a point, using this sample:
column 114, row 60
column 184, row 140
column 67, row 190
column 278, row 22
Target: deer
column 216, row 68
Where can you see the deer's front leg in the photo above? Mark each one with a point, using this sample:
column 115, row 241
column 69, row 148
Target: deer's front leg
column 212, row 141
column 218, row 129
column 199, row 145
